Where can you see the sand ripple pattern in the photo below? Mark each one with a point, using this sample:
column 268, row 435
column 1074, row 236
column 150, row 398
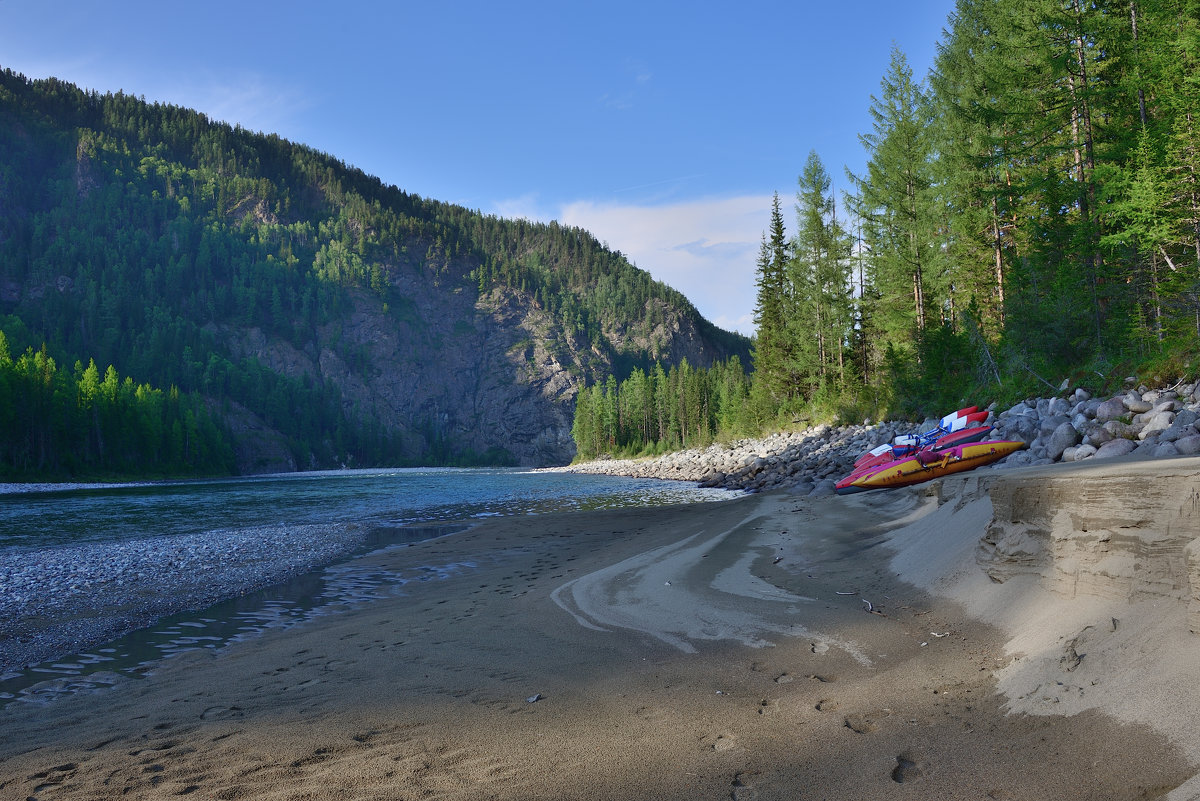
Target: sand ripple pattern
column 699, row 588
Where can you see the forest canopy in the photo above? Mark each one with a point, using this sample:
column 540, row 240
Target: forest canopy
column 147, row 237
column 1029, row 213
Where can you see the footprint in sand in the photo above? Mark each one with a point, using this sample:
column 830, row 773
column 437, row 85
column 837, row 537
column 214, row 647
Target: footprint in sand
column 221, row 713
column 723, row 742
column 766, row 706
column 908, row 768
column 53, row 776
column 740, row 789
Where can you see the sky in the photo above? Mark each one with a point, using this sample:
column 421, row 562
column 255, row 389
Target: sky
column 664, row 128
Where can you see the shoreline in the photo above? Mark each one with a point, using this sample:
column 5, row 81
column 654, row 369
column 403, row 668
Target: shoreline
column 59, row 601
column 1139, row 423
column 770, row 646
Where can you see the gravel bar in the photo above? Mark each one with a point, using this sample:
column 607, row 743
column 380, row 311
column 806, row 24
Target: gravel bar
column 64, row 600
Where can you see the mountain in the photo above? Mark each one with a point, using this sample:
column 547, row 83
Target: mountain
column 323, row 317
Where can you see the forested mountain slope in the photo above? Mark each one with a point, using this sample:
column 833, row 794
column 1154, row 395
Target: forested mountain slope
column 321, row 316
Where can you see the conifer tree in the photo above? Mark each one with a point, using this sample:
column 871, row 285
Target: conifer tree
column 819, row 272
column 895, row 204
column 771, row 309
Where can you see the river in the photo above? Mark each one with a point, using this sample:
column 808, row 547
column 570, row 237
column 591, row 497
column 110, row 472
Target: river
column 177, row 566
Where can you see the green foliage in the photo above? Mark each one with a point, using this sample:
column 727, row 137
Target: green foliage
column 60, row 424
column 1029, row 214
column 147, row 236
column 663, row 410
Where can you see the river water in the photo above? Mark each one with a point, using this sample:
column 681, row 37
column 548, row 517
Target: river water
column 392, row 506
column 383, row 498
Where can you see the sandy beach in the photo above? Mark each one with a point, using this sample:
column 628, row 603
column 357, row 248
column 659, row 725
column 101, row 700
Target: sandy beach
column 954, row 641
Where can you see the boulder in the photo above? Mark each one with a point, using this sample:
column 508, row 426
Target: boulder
column 1117, row 447
column 1020, row 410
column 1098, row 435
column 1178, row 431
column 1158, row 423
column 1058, row 406
column 1052, row 423
column 1165, row 449
column 1081, row 452
column 1119, row 430
column 1022, row 428
column 1189, row 445
column 1111, row 409
column 1063, row 437
column 822, row 488
column 1136, row 404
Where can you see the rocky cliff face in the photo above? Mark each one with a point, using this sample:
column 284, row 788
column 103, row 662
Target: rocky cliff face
column 491, row 372
column 189, row 254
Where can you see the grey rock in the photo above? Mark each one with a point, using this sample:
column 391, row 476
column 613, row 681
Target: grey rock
column 1120, row 430
column 1111, row 409
column 1082, row 452
column 1022, row 428
column 1189, row 445
column 1063, row 437
column 1159, row 422
column 1136, row 404
column 1020, row 410
column 1177, row 431
column 822, row 488
column 1051, row 423
column 1117, row 447
column 1098, row 435
column 1165, row 449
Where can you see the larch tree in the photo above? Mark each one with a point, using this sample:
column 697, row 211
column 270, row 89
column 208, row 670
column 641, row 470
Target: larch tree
column 895, row 203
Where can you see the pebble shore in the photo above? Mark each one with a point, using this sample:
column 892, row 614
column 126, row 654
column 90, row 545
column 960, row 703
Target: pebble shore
column 64, row 600
column 1074, row 426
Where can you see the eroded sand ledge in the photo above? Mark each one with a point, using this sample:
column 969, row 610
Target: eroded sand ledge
column 1094, row 572
column 769, row 647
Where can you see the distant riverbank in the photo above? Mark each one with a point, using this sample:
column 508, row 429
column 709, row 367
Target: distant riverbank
column 1073, row 427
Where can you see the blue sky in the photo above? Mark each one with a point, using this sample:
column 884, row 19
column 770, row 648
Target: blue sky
column 662, row 127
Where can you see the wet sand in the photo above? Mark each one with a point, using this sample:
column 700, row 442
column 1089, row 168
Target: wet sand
column 757, row 648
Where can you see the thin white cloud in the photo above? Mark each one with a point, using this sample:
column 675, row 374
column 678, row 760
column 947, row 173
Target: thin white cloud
column 243, row 98
column 523, row 207
column 247, row 99
column 706, row 249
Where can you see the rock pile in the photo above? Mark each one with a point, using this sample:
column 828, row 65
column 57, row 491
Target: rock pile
column 1071, row 428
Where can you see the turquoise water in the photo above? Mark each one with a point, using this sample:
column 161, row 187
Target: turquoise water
column 383, row 498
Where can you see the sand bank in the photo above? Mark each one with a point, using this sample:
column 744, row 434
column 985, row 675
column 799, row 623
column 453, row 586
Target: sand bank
column 765, row 647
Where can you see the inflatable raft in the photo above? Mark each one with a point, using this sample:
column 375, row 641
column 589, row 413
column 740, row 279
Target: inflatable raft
column 927, row 464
